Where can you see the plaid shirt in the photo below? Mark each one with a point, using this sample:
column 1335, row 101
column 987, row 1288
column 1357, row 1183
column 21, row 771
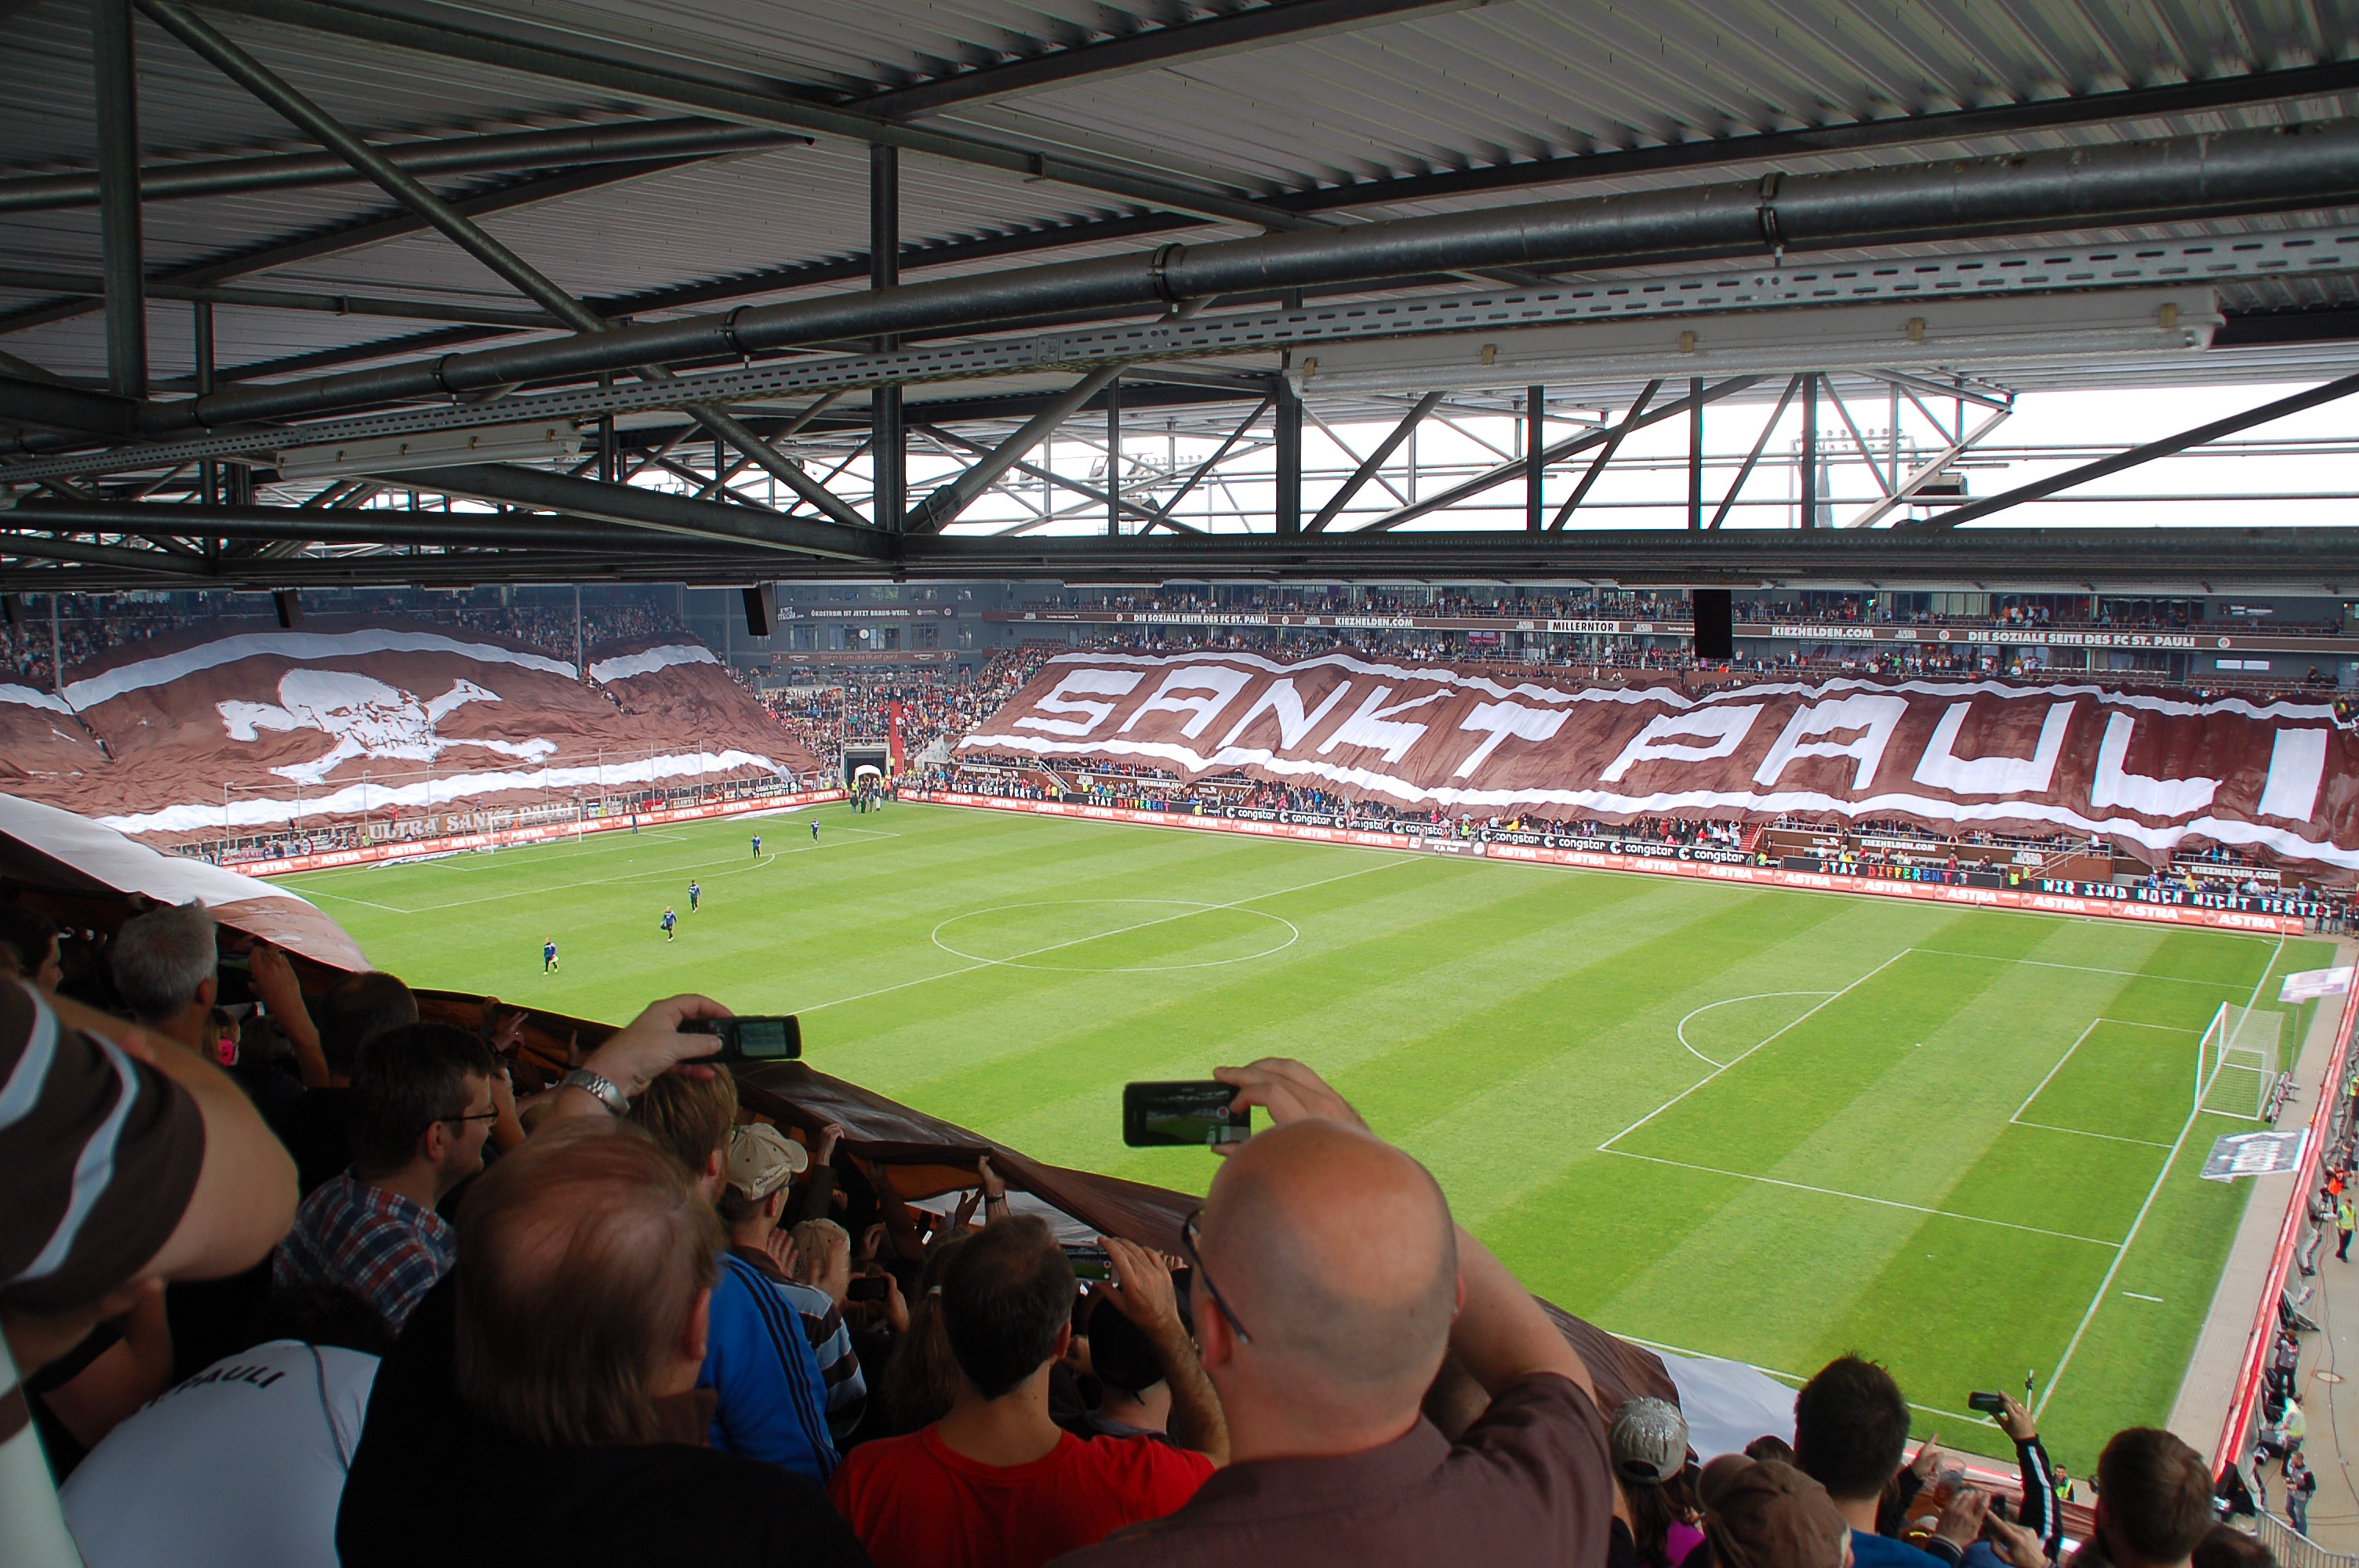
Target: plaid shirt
column 378, row 1245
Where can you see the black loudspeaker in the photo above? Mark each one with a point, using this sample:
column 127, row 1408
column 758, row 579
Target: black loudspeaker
column 761, row 608
column 1715, row 622
column 12, row 608
column 290, row 608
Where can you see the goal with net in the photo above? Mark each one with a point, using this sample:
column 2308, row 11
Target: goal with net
column 2238, row 1063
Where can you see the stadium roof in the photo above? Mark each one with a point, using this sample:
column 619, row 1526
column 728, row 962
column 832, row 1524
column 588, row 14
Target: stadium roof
column 712, row 173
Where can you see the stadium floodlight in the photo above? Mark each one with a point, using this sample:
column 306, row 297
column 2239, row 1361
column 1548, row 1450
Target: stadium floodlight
column 437, row 449
column 1927, row 333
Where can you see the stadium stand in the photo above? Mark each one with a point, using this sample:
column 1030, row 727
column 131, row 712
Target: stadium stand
column 1305, row 1366
column 982, row 1447
column 244, row 742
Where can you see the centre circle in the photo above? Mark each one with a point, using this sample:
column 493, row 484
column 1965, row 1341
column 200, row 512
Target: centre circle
column 1124, row 935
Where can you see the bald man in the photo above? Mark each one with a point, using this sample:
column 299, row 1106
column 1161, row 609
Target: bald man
column 1329, row 1282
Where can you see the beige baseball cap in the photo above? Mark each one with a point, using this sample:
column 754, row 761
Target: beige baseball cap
column 762, row 1160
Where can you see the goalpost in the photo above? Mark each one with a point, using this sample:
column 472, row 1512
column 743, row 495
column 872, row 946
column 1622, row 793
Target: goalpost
column 2238, row 1063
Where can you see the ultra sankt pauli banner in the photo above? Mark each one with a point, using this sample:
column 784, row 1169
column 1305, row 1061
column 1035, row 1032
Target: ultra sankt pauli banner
column 2153, row 774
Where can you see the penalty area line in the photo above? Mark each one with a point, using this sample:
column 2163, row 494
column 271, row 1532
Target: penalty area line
column 1833, row 997
column 1863, row 1197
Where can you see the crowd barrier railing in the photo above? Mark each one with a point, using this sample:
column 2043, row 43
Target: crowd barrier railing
column 2294, row 1550
column 539, row 833
column 1713, row 862
column 2325, row 1129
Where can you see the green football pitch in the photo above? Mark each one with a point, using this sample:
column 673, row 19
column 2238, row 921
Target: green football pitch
column 1764, row 1125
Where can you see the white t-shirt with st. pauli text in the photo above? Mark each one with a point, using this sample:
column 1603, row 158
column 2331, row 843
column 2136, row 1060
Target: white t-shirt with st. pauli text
column 244, row 1463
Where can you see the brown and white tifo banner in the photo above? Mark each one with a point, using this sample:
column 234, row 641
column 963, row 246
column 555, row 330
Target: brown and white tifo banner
column 2155, row 774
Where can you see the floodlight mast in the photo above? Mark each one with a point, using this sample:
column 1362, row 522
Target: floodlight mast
column 2178, row 179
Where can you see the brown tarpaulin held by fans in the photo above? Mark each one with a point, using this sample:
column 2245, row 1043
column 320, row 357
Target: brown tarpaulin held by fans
column 2152, row 772
column 197, row 734
column 86, row 877
column 912, row 1155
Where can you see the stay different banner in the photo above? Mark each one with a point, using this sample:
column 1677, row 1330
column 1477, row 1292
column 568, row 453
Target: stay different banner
column 2155, row 774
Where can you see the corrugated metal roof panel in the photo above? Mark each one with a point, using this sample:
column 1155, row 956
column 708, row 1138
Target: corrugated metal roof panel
column 1447, row 88
column 186, row 108
column 1544, row 78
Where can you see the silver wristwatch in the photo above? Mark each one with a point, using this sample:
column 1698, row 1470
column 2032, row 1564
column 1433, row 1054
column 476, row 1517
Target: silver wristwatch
column 608, row 1095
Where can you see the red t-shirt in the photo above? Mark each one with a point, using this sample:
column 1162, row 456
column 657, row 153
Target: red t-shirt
column 916, row 1504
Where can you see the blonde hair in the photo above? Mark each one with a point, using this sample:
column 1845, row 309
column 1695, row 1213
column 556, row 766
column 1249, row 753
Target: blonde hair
column 689, row 1117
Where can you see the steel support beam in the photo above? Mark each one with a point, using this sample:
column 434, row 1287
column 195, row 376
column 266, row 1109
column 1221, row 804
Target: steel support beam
column 200, row 335
column 376, row 228
column 1374, row 461
column 1907, row 488
column 2321, row 561
column 336, row 524
column 2330, row 392
column 282, row 299
column 653, row 508
column 1112, row 500
column 1793, row 384
column 2180, row 180
column 1287, row 505
column 470, row 236
column 504, row 152
column 658, row 81
column 1164, row 514
column 121, row 254
column 1467, row 489
column 1535, row 438
column 1810, row 468
column 176, row 564
column 942, row 507
column 1634, row 420
column 889, row 439
column 1113, row 458
column 1695, row 451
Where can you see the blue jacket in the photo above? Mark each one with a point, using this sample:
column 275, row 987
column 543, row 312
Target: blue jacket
column 757, row 1358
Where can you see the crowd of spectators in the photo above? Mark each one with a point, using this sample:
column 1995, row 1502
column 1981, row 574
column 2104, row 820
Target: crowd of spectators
column 89, row 627
column 333, row 1289
column 2012, row 611
column 937, row 704
column 1869, row 846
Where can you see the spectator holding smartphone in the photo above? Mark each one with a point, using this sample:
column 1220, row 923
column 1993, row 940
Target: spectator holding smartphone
column 1329, row 1283
column 996, row 1483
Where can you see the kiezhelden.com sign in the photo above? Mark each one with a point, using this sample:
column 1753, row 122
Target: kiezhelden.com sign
column 2151, row 772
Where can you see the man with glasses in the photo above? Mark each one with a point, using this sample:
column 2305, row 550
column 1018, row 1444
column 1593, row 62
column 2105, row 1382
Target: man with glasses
column 1329, row 1282
column 427, row 1096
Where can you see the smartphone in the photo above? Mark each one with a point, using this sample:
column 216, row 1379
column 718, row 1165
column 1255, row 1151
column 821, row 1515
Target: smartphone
column 869, row 1288
column 1199, row 1113
column 754, row 1038
column 1089, row 1262
column 1989, row 1404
